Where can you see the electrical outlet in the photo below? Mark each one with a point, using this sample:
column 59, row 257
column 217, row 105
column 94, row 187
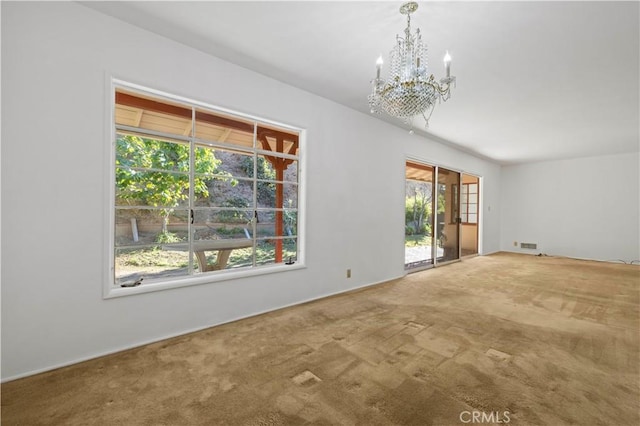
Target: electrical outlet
column 348, row 273
column 515, row 244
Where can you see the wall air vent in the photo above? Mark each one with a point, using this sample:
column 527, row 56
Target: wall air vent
column 529, row 246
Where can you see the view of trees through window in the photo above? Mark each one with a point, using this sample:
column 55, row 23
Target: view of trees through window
column 217, row 193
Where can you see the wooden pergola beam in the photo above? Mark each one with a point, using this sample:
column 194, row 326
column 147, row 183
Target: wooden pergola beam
column 133, row 101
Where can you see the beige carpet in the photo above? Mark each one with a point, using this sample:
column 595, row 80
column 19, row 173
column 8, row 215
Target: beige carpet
column 531, row 340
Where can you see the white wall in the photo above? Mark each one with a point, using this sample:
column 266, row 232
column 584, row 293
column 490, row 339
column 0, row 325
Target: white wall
column 56, row 60
column 586, row 208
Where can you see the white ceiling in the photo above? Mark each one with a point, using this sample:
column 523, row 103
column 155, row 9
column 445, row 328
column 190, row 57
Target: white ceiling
column 535, row 80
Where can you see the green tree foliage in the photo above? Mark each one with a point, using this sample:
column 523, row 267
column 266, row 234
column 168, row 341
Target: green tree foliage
column 266, row 190
column 155, row 173
column 239, row 215
column 418, row 208
column 291, row 220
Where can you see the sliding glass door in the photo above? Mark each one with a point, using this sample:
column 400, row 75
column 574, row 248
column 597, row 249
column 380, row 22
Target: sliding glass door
column 448, row 215
column 433, row 213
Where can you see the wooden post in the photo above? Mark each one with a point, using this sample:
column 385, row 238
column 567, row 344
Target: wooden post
column 134, row 229
column 280, row 165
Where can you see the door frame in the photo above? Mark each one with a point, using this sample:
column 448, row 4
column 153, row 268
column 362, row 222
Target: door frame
column 426, row 264
column 479, row 221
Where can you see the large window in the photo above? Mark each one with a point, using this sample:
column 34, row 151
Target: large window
column 199, row 191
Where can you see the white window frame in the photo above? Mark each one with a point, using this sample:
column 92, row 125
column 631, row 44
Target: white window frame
column 110, row 289
column 467, row 203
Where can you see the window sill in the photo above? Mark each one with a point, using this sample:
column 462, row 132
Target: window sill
column 200, row 279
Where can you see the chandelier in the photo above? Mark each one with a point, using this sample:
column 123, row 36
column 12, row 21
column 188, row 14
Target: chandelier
column 409, row 90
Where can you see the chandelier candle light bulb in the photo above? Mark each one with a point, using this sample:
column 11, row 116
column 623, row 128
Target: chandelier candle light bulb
column 409, row 90
column 447, row 64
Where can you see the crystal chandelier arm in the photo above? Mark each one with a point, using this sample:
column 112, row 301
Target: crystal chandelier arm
column 443, row 88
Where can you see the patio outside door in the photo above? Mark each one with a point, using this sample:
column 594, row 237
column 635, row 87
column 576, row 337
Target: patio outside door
column 419, row 208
